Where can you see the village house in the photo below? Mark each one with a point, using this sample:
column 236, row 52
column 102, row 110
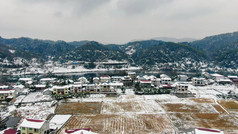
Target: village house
column 47, row 80
column 40, row 87
column 105, row 87
column 132, row 75
column 165, row 80
column 82, row 80
column 116, row 78
column 224, row 81
column 92, row 87
column 216, row 77
column 7, row 94
column 76, row 88
column 105, row 78
column 25, row 80
column 145, row 83
column 96, row 80
column 32, row 126
column 156, row 82
column 127, row 81
column 4, row 87
column 198, row 81
column 62, row 90
column 181, row 88
column 182, row 77
column 116, row 85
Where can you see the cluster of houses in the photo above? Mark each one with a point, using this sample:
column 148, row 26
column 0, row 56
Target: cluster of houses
column 110, row 84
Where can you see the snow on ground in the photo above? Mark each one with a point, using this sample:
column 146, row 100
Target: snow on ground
column 58, row 121
column 36, row 111
column 36, row 97
column 84, row 70
column 211, row 91
column 10, row 110
column 19, row 99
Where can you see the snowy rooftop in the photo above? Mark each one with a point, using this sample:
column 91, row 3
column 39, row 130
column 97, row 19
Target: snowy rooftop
column 58, row 121
column 145, row 81
column 131, row 72
column 3, row 87
column 25, row 79
column 116, row 84
column 32, row 123
column 47, row 79
column 40, row 86
column 217, row 75
column 7, row 91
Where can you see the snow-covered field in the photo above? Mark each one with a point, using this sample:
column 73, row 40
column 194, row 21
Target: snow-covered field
column 36, row 97
column 36, row 111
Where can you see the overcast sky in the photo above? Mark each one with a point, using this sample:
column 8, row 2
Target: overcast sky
column 116, row 21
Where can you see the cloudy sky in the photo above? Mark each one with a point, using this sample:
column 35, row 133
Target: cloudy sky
column 116, row 21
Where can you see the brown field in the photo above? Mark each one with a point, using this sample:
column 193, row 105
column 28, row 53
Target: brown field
column 149, row 117
column 149, row 106
column 230, row 105
column 219, row 109
column 188, row 108
column 79, row 108
column 202, row 100
column 106, row 124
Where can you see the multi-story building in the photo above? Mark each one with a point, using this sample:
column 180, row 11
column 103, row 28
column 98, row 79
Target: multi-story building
column 198, row 81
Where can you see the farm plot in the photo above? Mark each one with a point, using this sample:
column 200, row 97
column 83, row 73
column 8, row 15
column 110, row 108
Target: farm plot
column 189, row 108
column 203, row 112
column 204, row 120
column 105, row 124
column 79, row 108
column 138, row 107
column 202, row 100
column 230, row 105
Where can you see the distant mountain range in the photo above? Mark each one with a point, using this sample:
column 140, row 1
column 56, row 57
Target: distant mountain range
column 176, row 40
column 220, row 49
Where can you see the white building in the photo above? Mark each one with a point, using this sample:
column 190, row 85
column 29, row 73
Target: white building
column 198, row 81
column 181, row 88
column 47, row 80
column 182, row 77
column 4, row 87
column 96, row 80
column 116, row 78
column 116, row 85
column 217, row 77
column 34, row 126
column 105, row 78
column 165, row 80
column 25, row 79
column 83, row 80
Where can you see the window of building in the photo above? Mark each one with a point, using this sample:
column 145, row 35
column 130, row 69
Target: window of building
column 23, row 128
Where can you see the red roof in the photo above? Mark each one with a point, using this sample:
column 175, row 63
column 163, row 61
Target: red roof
column 33, row 120
column 10, row 131
column 74, row 130
column 235, row 80
column 210, row 130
